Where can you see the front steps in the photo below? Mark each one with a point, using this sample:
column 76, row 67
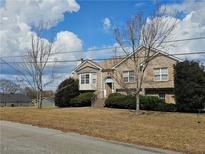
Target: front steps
column 99, row 103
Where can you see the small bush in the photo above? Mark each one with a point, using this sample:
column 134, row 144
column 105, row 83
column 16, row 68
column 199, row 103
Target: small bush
column 115, row 100
column 166, row 107
column 150, row 103
column 115, row 94
column 84, row 99
column 146, row 103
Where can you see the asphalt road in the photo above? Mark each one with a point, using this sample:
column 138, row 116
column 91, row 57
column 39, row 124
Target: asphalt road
column 26, row 139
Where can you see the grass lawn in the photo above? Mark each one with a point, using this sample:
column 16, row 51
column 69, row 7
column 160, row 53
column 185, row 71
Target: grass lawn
column 175, row 131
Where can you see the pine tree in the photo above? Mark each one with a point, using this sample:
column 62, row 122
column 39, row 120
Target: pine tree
column 67, row 90
column 189, row 86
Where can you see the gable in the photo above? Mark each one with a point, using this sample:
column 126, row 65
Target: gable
column 87, row 69
column 162, row 60
column 109, row 63
column 87, row 66
column 141, row 52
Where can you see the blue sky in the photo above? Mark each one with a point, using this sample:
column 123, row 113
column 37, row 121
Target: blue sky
column 87, row 23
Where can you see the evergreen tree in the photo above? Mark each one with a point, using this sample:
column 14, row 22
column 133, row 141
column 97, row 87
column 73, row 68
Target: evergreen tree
column 189, row 86
column 67, row 90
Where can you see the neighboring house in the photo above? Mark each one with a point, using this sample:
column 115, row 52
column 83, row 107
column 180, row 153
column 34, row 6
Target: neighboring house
column 13, row 100
column 158, row 77
column 48, row 102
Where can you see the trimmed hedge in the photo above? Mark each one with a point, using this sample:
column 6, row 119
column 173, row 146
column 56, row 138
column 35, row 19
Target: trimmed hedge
column 117, row 100
column 152, row 103
column 84, row 99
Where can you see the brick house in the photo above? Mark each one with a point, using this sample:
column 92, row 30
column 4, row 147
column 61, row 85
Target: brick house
column 158, row 76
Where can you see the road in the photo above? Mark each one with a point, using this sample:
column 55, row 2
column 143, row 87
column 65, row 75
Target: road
column 26, row 139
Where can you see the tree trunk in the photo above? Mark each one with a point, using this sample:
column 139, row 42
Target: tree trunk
column 37, row 98
column 40, row 90
column 40, row 99
column 137, row 102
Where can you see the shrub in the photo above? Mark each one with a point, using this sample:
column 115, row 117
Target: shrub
column 189, row 83
column 84, row 99
column 166, row 107
column 115, row 100
column 115, row 94
column 146, row 103
column 150, row 103
column 67, row 90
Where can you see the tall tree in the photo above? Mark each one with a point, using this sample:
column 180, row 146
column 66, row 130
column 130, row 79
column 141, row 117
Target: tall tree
column 189, row 78
column 35, row 63
column 150, row 32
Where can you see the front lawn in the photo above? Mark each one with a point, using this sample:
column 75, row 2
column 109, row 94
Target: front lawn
column 175, row 131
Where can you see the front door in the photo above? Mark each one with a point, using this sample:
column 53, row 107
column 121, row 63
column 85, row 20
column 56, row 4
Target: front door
column 108, row 88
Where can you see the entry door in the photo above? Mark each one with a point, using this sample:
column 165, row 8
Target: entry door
column 108, row 89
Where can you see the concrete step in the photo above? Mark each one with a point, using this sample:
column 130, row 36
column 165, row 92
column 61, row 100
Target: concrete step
column 99, row 103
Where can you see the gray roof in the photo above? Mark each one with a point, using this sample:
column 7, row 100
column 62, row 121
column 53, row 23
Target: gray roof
column 14, row 98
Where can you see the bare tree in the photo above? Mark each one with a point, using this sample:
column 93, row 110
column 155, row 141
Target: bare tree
column 8, row 86
column 35, row 63
column 150, row 32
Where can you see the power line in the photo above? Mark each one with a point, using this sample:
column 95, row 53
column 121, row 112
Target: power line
column 188, row 39
column 17, row 70
column 188, row 53
column 5, row 62
column 99, row 59
column 107, row 48
column 74, row 51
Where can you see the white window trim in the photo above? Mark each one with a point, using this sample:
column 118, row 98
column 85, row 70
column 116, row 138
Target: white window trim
column 92, row 74
column 160, row 74
column 85, row 78
column 90, row 78
column 128, row 77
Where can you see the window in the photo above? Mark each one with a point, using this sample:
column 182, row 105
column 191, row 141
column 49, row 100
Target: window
column 94, row 78
column 85, row 78
column 128, row 76
column 161, row 74
column 88, row 78
column 162, row 96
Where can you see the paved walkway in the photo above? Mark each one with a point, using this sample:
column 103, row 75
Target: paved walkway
column 26, row 139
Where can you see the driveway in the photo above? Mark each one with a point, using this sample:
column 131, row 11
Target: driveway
column 26, row 139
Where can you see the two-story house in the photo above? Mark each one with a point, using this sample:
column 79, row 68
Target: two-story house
column 158, row 76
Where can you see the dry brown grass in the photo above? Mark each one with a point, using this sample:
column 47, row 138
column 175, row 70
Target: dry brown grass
column 176, row 131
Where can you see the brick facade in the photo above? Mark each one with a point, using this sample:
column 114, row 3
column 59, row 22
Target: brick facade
column 105, row 70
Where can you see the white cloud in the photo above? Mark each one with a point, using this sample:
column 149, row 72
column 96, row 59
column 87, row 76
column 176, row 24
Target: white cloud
column 106, row 24
column 16, row 25
column 186, row 7
column 190, row 26
column 35, row 11
column 67, row 42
